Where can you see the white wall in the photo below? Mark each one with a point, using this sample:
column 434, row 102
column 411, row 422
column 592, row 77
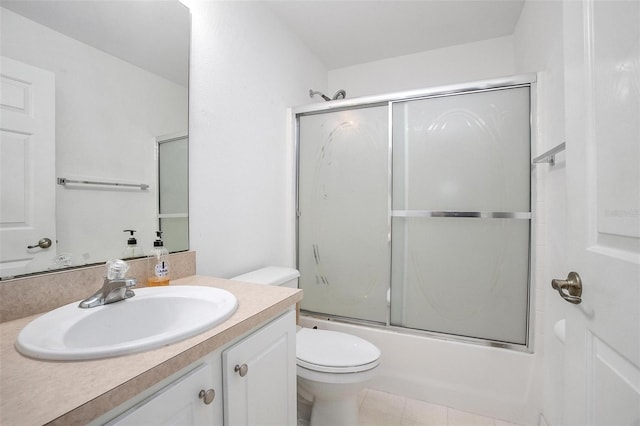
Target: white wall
column 246, row 70
column 538, row 41
column 108, row 113
column 457, row 64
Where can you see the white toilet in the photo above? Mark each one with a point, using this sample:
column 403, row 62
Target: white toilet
column 332, row 367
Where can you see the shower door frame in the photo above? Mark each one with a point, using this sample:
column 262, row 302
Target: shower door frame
column 521, row 80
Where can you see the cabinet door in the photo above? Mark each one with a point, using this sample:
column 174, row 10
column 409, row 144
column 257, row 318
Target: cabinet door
column 179, row 403
column 259, row 376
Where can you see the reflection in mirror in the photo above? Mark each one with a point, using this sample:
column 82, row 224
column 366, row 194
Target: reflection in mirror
column 173, row 190
column 87, row 90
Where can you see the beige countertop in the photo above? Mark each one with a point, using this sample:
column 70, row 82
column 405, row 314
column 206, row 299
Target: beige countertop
column 34, row 392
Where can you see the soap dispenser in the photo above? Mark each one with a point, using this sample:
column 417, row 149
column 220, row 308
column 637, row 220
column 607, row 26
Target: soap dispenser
column 132, row 249
column 158, row 263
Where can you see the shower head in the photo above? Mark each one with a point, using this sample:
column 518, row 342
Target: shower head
column 340, row 94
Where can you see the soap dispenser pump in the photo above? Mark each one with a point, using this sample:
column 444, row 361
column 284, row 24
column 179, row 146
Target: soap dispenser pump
column 132, row 249
column 158, row 262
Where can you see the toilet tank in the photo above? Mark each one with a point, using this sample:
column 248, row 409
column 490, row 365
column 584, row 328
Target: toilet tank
column 271, row 275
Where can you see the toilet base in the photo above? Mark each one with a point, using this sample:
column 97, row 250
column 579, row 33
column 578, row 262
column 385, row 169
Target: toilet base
column 335, row 412
column 304, row 410
column 334, row 396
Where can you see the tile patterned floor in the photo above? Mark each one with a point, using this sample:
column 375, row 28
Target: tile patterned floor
column 384, row 409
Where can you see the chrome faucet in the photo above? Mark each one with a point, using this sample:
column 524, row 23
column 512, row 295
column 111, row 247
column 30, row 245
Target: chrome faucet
column 112, row 291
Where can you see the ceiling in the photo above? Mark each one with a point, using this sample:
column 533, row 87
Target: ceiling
column 154, row 34
column 348, row 32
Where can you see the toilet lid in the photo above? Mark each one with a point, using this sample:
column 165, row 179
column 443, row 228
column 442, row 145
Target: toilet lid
column 325, row 350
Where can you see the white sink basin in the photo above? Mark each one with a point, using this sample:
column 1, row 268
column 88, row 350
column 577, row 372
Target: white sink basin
column 154, row 317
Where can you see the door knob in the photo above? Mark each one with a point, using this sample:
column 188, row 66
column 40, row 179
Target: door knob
column 44, row 243
column 569, row 289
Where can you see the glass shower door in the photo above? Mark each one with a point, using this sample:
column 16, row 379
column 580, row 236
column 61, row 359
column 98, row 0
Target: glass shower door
column 461, row 214
column 343, row 205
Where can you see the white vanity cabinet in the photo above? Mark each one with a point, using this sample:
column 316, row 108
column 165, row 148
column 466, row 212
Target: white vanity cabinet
column 259, row 376
column 261, row 390
column 192, row 399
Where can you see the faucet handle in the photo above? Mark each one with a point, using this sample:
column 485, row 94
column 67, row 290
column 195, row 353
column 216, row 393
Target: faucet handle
column 116, row 269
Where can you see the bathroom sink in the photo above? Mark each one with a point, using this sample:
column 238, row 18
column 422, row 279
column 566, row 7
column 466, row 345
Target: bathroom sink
column 154, row 317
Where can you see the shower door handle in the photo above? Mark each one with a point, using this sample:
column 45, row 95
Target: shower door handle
column 569, row 289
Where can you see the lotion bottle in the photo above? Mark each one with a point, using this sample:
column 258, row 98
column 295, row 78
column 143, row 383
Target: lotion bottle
column 158, row 263
column 132, row 249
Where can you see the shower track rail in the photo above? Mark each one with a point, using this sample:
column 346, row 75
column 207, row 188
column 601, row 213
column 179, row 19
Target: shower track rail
column 446, row 213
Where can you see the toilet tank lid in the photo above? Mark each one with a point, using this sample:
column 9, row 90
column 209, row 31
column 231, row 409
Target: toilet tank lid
column 271, row 275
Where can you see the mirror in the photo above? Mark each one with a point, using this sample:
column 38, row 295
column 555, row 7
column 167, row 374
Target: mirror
column 110, row 88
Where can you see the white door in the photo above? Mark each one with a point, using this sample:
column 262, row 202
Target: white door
column 27, row 172
column 602, row 83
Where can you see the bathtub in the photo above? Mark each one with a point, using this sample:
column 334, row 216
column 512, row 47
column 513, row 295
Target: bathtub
column 489, row 381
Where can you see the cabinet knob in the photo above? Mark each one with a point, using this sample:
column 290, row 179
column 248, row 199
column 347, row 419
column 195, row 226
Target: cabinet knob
column 207, row 396
column 242, row 369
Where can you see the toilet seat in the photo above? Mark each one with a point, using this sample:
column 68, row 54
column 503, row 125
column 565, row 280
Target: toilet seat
column 334, row 352
column 338, row 370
